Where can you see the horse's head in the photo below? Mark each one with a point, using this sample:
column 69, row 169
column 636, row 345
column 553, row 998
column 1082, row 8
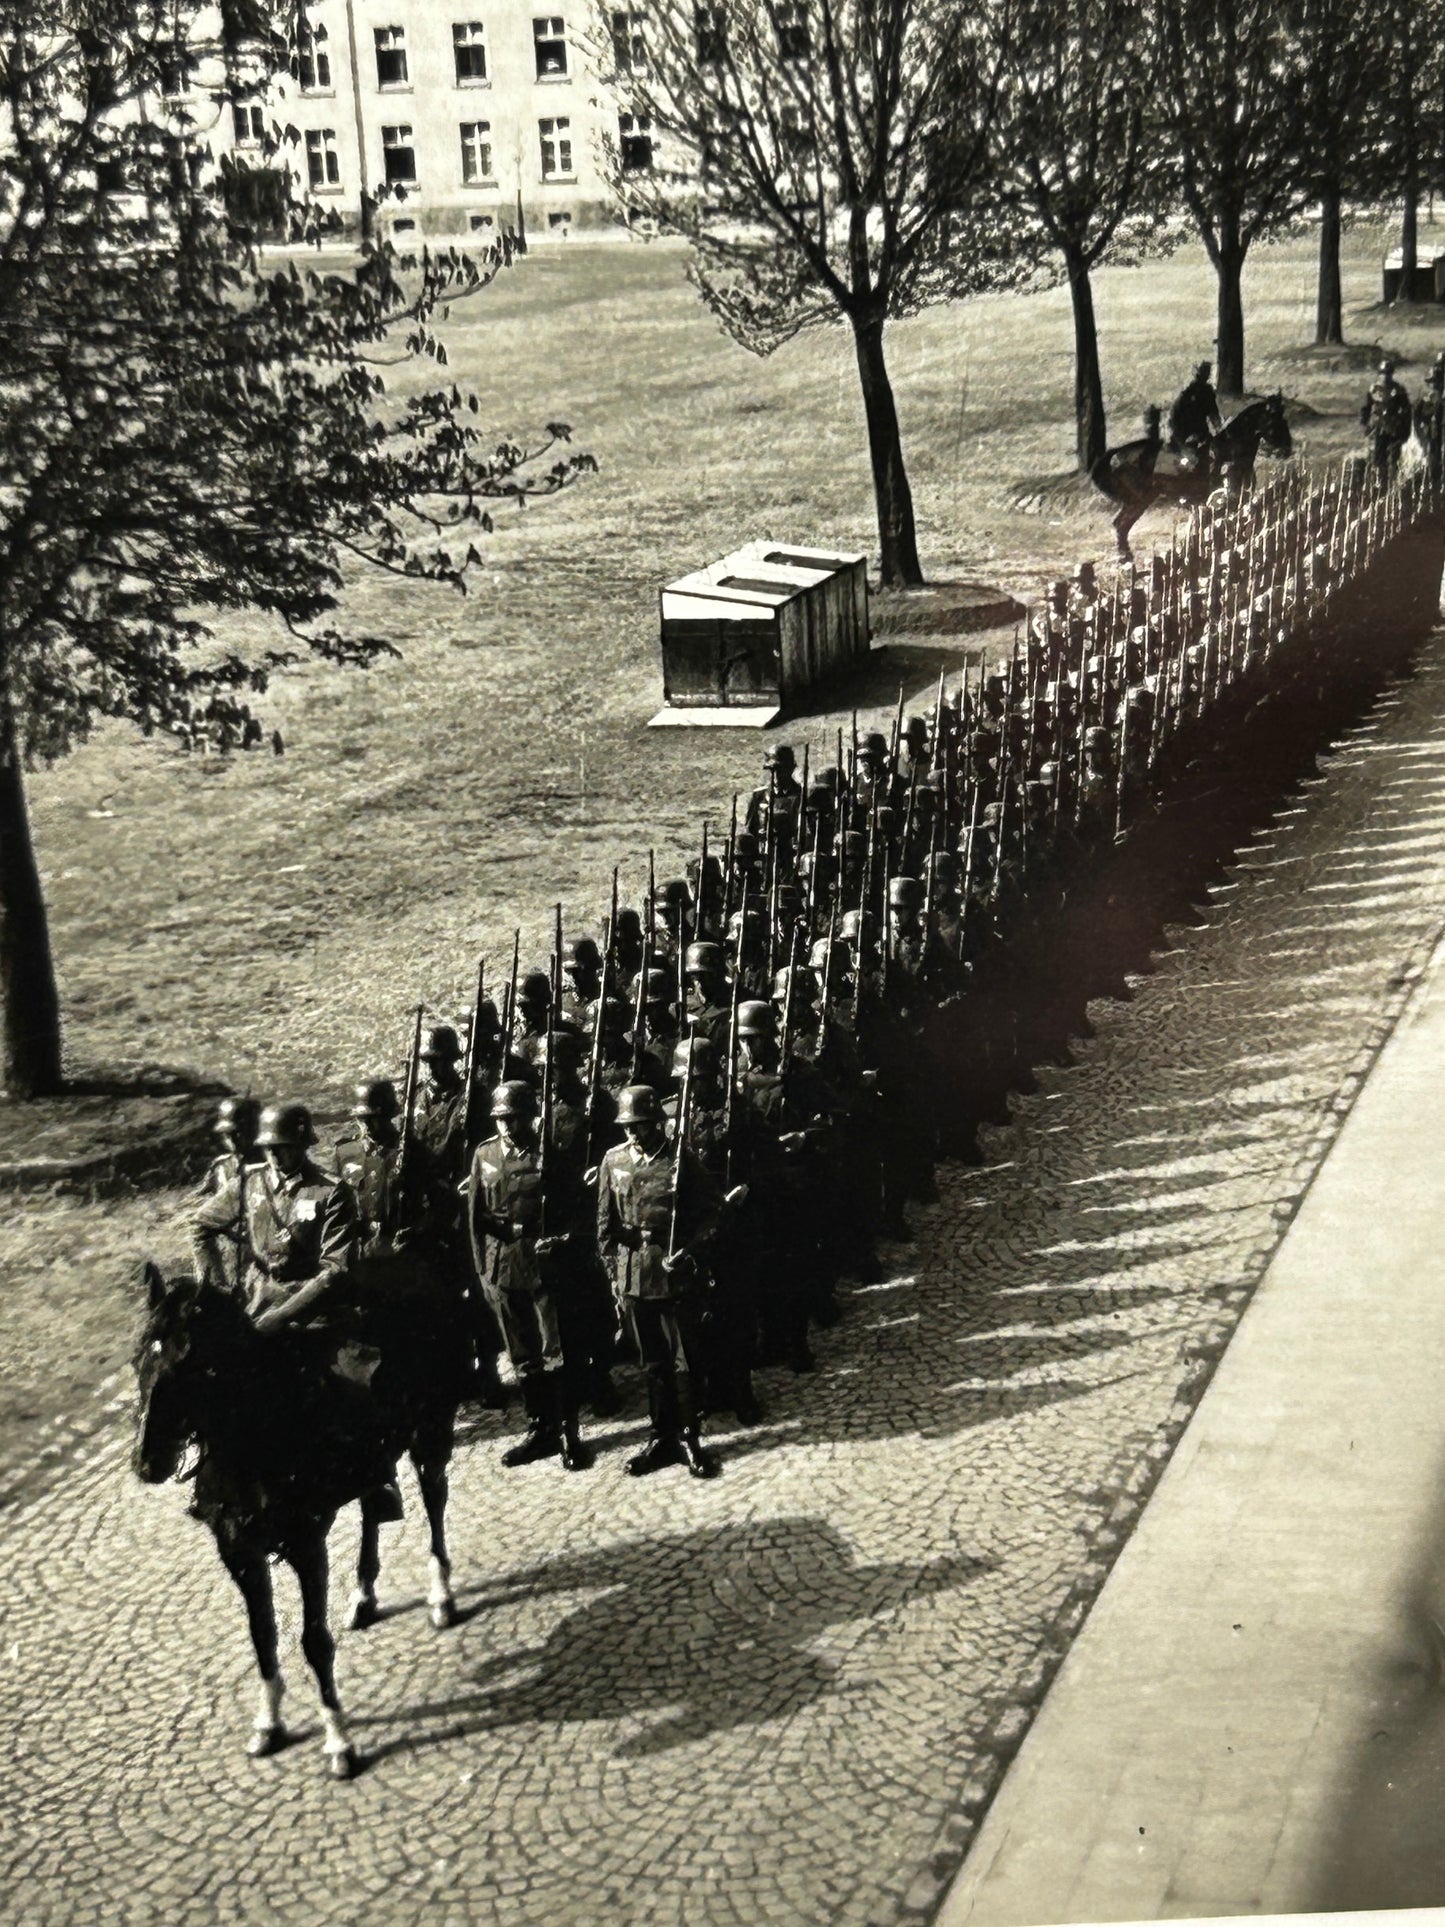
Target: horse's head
column 190, row 1331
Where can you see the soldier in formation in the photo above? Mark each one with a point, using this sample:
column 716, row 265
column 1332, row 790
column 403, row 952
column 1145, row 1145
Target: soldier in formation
column 673, row 1137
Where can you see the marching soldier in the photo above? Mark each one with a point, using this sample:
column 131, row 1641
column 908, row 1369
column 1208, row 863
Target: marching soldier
column 368, row 1160
column 439, row 1145
column 506, row 1202
column 709, row 1003
column 1430, row 416
column 582, row 967
column 1385, row 416
column 235, row 1128
column 775, row 809
column 656, row 1210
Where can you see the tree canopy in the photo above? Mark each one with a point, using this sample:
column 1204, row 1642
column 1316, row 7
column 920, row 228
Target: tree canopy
column 187, row 430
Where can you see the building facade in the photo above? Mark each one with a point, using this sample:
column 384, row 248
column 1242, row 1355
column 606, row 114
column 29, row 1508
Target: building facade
column 447, row 119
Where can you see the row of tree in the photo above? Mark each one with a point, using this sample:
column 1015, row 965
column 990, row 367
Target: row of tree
column 852, row 161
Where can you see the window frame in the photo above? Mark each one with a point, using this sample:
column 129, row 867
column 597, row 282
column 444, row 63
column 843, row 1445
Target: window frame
column 326, row 152
column 393, row 50
column 470, row 47
column 313, row 49
column 557, row 39
column 481, row 145
column 558, row 141
column 407, row 146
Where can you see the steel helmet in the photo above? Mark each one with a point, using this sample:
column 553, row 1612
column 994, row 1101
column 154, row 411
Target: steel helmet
column 638, row 1105
column 443, row 1046
column 286, row 1124
column 700, row 959
column 581, row 953
column 904, row 893
column 781, row 756
column 536, row 990
column 237, row 1117
column 805, row 985
column 755, row 1019
column 702, row 1052
column 376, row 1097
column 514, row 1099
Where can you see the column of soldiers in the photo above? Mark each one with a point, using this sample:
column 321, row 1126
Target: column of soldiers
column 674, row 1139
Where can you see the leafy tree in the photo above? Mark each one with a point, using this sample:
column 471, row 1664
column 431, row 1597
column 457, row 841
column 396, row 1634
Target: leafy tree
column 183, row 432
column 829, row 162
column 1343, row 49
column 1082, row 155
column 1410, row 37
column 1229, row 89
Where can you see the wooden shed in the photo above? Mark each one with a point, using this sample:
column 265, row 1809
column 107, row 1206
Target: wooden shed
column 743, row 637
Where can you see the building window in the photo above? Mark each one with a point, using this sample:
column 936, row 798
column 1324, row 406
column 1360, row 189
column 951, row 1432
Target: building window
column 711, row 31
column 481, row 223
column 391, row 57
column 793, row 30
column 560, row 219
column 556, row 148
column 322, row 164
column 175, row 71
column 476, row 150
column 313, row 57
column 549, row 37
column 398, row 155
column 634, row 141
column 629, row 44
column 794, row 133
column 469, row 45
column 250, row 119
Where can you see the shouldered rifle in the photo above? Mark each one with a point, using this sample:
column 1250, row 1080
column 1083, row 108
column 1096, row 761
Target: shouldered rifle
column 930, row 889
column 966, row 900
column 471, row 1062
column 786, row 1047
column 408, row 1101
column 594, row 1067
column 699, row 916
column 729, row 1109
column 679, row 1151
column 896, row 739
column 509, row 1006
column 827, row 976
column 549, row 1073
column 639, row 1014
column 730, row 865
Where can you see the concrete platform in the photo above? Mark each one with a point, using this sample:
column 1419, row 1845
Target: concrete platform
column 1252, row 1720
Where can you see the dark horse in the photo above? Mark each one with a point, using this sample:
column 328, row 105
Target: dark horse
column 284, row 1441
column 1138, row 474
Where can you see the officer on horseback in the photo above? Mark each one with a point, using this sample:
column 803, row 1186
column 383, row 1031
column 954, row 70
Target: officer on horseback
column 1195, row 418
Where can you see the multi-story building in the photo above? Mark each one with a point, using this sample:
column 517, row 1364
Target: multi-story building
column 446, row 118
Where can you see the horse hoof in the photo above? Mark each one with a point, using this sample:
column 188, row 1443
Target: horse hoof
column 265, row 1741
column 443, row 1614
column 343, row 1765
column 364, row 1612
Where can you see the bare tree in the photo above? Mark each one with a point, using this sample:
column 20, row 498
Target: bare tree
column 830, row 162
column 1083, row 156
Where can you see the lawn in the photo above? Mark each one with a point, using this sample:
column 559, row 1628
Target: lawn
column 270, row 921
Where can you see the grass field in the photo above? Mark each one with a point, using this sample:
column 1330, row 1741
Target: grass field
column 269, row 922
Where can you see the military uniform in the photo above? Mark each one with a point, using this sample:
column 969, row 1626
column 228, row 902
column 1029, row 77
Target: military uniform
column 635, row 1200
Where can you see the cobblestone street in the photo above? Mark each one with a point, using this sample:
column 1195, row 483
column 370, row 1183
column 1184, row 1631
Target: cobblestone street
column 783, row 1696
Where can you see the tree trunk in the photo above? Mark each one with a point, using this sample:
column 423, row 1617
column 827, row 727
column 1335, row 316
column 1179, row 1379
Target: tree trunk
column 1088, row 382
column 1229, row 345
column 898, row 564
column 31, row 1066
column 1410, row 232
column 1329, row 302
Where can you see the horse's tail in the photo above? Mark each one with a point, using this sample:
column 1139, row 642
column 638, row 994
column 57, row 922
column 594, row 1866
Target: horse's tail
column 1101, row 472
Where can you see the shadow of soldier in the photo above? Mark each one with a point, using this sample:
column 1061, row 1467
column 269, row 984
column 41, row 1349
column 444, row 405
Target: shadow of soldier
column 690, row 1635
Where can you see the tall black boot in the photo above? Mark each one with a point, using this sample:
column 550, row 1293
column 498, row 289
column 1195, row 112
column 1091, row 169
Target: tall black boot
column 541, row 1440
column 577, row 1455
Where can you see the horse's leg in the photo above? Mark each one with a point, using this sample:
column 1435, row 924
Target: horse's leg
column 431, row 1449
column 310, row 1566
column 1124, row 519
column 252, row 1575
column 363, row 1609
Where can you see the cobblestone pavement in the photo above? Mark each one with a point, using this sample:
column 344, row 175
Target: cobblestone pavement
column 783, row 1696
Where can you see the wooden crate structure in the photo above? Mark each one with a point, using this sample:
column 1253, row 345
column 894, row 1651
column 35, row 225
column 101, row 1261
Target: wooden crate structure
column 743, row 637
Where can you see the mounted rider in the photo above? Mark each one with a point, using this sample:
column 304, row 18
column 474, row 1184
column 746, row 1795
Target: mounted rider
column 1195, row 419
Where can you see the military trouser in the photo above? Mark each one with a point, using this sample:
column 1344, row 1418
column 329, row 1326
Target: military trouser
column 667, row 1334
column 531, row 1326
column 729, row 1328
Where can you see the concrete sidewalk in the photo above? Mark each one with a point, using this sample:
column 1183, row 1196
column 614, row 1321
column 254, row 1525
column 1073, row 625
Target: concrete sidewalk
column 1252, row 1720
